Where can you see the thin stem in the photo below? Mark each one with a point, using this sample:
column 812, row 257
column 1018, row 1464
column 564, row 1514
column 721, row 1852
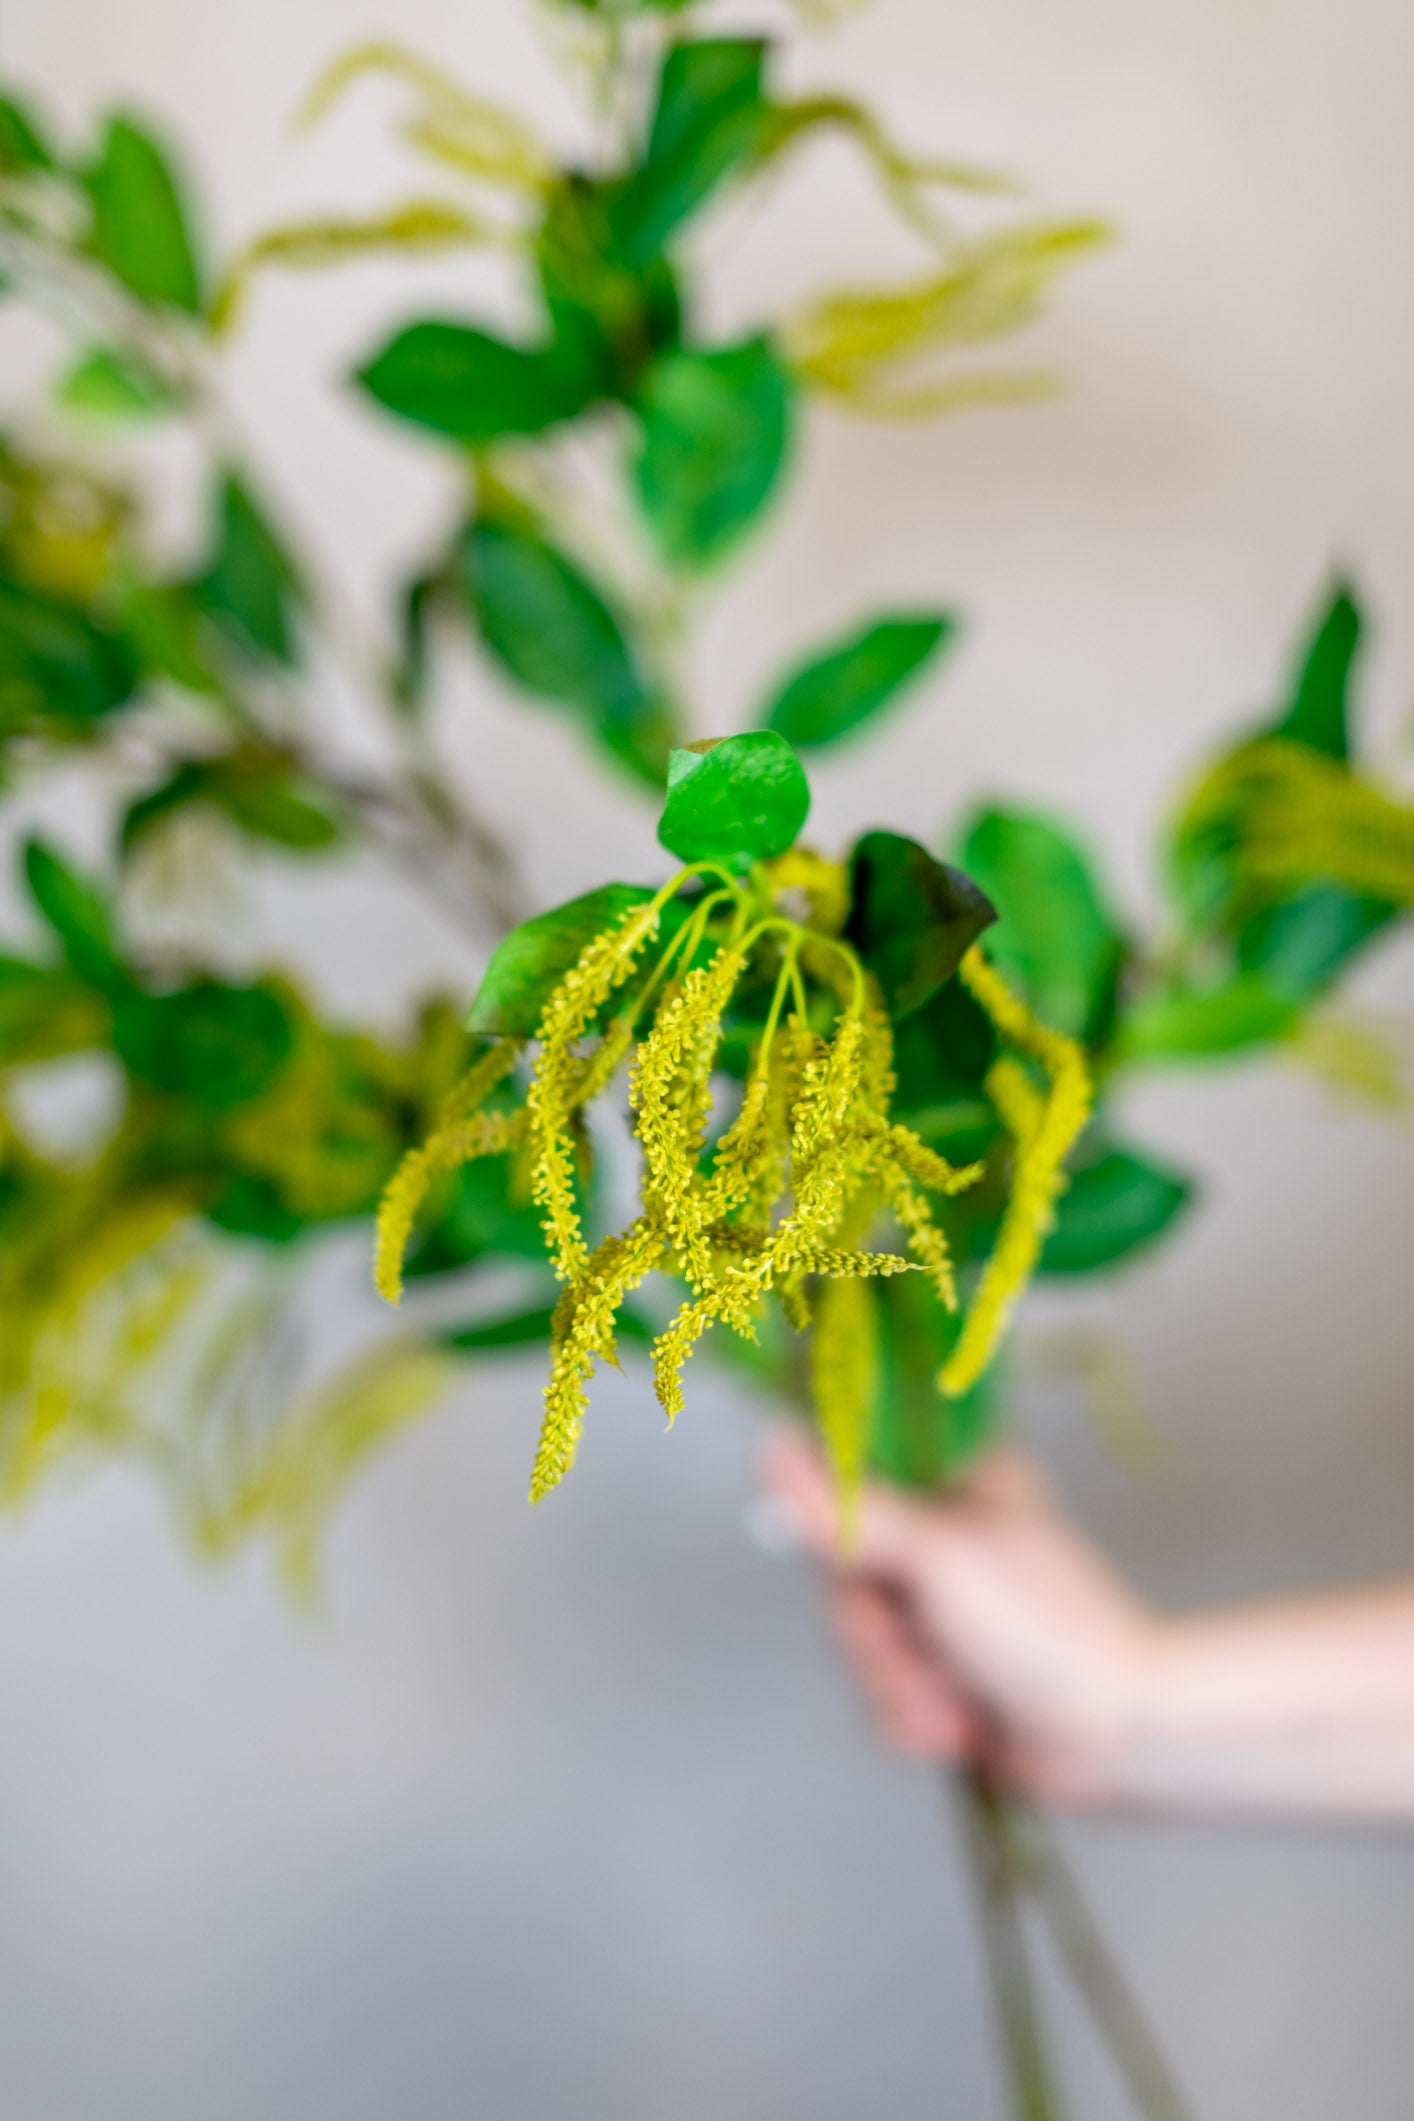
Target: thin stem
column 1097, row 1973
column 1034, row 2095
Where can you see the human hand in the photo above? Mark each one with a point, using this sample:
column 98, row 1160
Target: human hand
column 981, row 1626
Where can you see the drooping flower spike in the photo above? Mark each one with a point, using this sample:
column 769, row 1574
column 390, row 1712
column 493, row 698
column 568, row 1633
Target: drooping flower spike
column 788, row 1199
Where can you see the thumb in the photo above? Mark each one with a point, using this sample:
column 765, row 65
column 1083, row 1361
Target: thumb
column 889, row 1529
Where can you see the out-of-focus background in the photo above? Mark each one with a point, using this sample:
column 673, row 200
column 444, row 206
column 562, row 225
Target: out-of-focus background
column 568, row 1815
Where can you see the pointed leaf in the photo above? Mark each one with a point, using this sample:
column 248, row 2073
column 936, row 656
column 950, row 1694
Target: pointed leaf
column 1114, row 1206
column 1317, row 715
column 912, row 919
column 463, row 382
column 836, row 693
column 529, row 963
column 1055, row 938
column 78, row 914
column 22, row 145
column 738, row 800
column 141, row 230
column 716, row 429
column 709, row 119
column 251, row 587
column 106, row 384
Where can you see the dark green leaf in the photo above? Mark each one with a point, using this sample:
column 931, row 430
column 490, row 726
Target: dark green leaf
column 1112, row 1207
column 917, row 1437
column 22, row 146
column 1300, row 945
column 609, row 317
column 251, row 587
column 529, row 963
column 708, row 121
column 715, row 433
column 1317, row 715
column 511, row 1329
column 141, row 230
column 942, row 1053
column 1189, row 1024
column 56, row 664
column 463, row 382
column 106, row 384
column 837, row 692
column 250, row 1206
column 78, row 913
column 741, row 799
column 1055, row 938
column 552, row 632
column 912, row 918
column 214, row 1044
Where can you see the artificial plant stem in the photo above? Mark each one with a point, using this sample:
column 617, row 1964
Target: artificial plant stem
column 1000, row 1882
column 1096, row 1972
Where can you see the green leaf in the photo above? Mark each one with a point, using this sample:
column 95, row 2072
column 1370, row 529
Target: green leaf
column 708, row 120
column 251, row 1206
column 1299, row 945
column 107, row 384
column 737, row 800
column 464, row 383
column 1317, row 715
column 529, row 963
column 918, row 1437
column 78, row 914
column 141, row 230
column 912, row 918
column 1196, row 1024
column 555, row 635
column 22, row 146
column 163, row 623
column 510, row 1329
column 609, row 317
column 1113, row 1206
column 258, row 792
column 716, row 428
column 215, row 1044
column 477, row 1216
column 942, row 1052
column 56, row 664
column 837, row 692
column 251, row 587
column 1055, row 938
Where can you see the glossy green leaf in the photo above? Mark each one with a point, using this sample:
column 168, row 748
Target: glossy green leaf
column 529, row 963
column 1114, row 1206
column 715, row 433
column 554, row 633
column 912, row 918
column 462, row 382
column 251, row 587
column 57, row 665
column 738, row 800
column 1318, row 714
column 1198, row 1024
column 214, row 1044
column 78, row 914
column 22, row 145
column 708, row 121
column 1055, row 938
column 836, row 693
column 106, row 384
column 141, row 229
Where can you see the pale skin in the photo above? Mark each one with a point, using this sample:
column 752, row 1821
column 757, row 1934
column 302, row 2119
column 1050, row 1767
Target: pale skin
column 984, row 1627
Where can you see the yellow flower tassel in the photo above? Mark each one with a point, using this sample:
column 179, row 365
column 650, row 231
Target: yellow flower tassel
column 1038, row 1175
column 461, row 1133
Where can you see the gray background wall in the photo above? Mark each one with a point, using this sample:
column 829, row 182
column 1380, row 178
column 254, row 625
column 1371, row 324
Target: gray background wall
column 569, row 1814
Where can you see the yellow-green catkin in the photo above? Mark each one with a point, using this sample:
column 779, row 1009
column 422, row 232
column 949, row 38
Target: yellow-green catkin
column 603, row 965
column 844, row 1377
column 670, row 1093
column 583, row 1331
column 1038, row 1176
column 461, row 1133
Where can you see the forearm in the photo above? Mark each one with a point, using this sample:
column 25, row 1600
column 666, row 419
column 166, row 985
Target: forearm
column 1302, row 1705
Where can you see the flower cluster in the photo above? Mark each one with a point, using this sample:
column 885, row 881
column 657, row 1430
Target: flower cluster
column 786, row 1199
